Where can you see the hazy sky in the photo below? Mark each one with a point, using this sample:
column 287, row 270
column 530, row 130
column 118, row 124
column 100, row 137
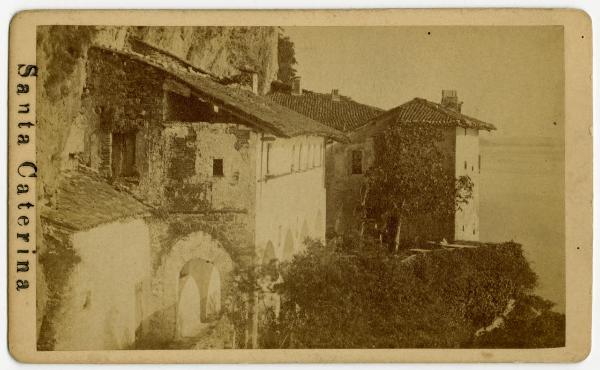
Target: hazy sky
column 512, row 77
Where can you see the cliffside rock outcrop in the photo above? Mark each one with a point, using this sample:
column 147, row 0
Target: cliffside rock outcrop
column 61, row 57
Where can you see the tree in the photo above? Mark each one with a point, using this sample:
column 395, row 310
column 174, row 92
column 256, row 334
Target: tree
column 348, row 296
column 412, row 179
column 286, row 58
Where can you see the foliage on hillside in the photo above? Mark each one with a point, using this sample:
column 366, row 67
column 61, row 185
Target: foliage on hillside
column 345, row 296
column 286, row 59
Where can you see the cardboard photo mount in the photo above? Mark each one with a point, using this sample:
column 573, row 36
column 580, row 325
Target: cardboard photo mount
column 578, row 177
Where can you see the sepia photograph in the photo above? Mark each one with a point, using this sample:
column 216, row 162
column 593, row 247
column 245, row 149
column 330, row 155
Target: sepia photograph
column 283, row 187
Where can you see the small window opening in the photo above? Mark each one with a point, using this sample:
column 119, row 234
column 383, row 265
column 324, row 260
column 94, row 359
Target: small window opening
column 321, row 155
column 357, row 162
column 465, row 165
column 479, row 162
column 218, row 167
column 293, row 158
column 269, row 164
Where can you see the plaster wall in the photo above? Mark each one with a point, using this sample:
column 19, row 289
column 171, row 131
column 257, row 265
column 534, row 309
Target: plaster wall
column 466, row 225
column 290, row 194
column 102, row 308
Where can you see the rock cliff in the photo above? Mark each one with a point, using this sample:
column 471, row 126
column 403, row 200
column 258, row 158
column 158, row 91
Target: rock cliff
column 61, row 57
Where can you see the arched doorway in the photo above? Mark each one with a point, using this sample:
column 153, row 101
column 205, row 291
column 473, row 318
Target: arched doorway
column 319, row 223
column 199, row 296
column 269, row 254
column 188, row 313
column 303, row 235
column 213, row 295
column 288, row 246
column 167, row 282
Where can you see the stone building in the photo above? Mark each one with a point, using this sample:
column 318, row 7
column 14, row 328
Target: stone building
column 334, row 110
column 205, row 176
column 347, row 163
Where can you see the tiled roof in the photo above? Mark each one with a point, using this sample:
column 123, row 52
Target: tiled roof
column 423, row 111
column 85, row 200
column 343, row 115
column 258, row 111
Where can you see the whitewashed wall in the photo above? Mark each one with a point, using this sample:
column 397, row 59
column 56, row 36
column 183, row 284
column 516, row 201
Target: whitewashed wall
column 101, row 311
column 466, row 225
column 290, row 195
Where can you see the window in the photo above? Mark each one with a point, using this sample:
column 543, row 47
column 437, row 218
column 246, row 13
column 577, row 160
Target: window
column 218, row 167
column 357, row 162
column 269, row 164
column 465, row 165
column 320, row 155
column 479, row 162
column 123, row 154
column 300, row 158
column 293, row 158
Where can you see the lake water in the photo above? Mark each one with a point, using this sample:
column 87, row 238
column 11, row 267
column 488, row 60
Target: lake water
column 522, row 199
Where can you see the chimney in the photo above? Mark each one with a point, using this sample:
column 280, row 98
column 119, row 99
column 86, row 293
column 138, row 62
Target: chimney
column 450, row 100
column 255, row 83
column 335, row 95
column 296, row 86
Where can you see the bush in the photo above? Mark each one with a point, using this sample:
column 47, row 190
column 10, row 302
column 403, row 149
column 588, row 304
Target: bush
column 342, row 296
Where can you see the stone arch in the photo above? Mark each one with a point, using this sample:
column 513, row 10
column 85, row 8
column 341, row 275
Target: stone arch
column 189, row 306
column 288, row 246
column 199, row 298
column 319, row 225
column 304, row 233
column 269, row 253
column 183, row 259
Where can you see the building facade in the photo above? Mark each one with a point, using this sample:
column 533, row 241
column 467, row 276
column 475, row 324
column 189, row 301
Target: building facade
column 347, row 163
column 342, row 113
column 217, row 177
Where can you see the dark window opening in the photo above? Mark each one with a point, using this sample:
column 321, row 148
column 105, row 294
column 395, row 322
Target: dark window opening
column 357, row 162
column 123, row 154
column 479, row 162
column 218, row 167
column 465, row 165
column 191, row 109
